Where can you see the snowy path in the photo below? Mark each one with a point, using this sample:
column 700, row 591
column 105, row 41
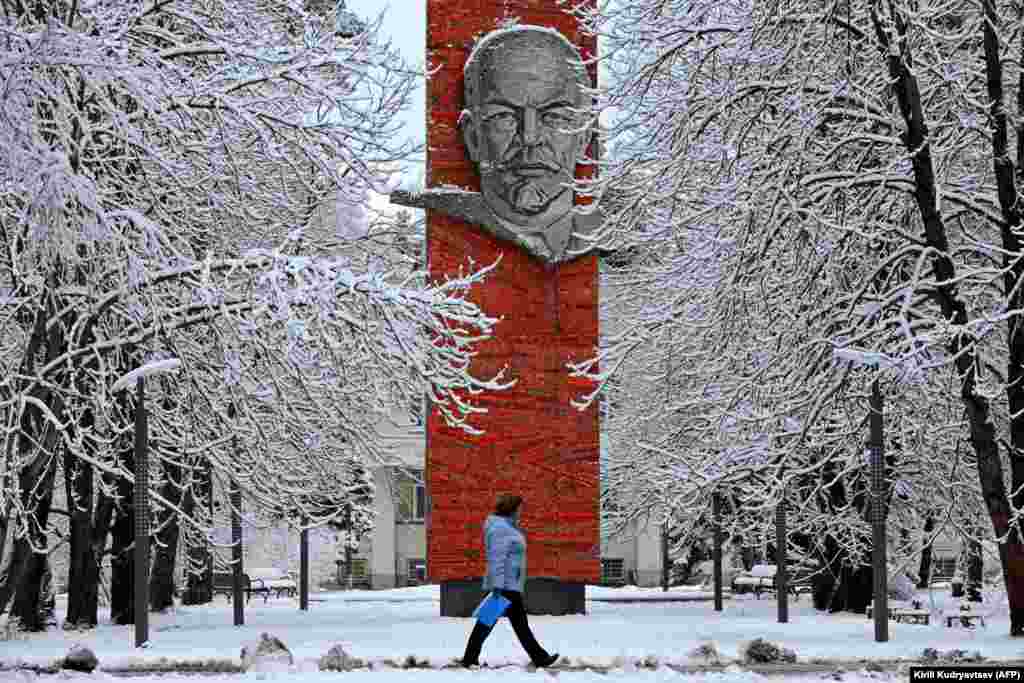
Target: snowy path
column 499, row 676
column 612, row 635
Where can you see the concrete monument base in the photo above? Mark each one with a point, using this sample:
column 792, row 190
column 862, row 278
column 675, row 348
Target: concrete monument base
column 542, row 596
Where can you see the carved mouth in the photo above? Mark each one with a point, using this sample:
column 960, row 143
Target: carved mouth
column 534, row 170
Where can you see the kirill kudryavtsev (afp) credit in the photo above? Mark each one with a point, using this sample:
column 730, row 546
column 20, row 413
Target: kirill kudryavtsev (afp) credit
column 967, row 673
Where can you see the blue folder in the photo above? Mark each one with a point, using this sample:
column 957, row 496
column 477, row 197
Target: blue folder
column 490, row 608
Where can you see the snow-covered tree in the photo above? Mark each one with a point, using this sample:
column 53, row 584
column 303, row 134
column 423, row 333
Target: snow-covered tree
column 162, row 163
column 802, row 178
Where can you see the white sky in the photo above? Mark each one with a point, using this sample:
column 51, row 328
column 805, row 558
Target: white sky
column 405, row 23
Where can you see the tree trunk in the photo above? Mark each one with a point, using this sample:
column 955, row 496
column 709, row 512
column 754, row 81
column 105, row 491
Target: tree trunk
column 698, row 553
column 5, row 519
column 841, row 587
column 961, row 347
column 199, row 584
column 747, row 557
column 106, row 506
column 860, row 592
column 29, row 595
column 199, row 557
column 161, row 580
column 28, row 567
column 975, row 571
column 122, row 566
column 122, row 560
column 823, row 585
column 924, row 572
column 83, row 568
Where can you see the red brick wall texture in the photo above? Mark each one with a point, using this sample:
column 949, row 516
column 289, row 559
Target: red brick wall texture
column 535, row 444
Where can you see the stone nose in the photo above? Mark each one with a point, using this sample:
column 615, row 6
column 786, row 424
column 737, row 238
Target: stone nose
column 529, row 132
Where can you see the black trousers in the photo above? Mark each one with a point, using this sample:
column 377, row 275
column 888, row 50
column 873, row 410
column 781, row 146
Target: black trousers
column 516, row 613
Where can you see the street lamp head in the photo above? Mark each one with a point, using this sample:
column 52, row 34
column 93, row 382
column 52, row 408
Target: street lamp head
column 154, row 368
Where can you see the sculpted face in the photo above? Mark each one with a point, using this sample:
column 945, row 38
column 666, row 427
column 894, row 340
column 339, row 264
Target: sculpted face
column 524, row 131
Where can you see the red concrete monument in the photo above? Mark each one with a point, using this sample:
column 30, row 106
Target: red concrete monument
column 506, row 123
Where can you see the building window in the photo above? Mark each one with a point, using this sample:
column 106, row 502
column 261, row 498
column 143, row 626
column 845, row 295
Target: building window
column 420, row 509
column 417, row 572
column 412, row 500
column 360, row 568
column 613, row 571
column 943, row 568
column 358, row 575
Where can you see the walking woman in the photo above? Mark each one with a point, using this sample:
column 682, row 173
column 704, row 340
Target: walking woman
column 506, row 575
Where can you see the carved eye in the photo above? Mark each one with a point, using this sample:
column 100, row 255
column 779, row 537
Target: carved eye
column 504, row 121
column 557, row 118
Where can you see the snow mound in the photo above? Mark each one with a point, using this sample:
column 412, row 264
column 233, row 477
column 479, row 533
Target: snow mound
column 267, row 655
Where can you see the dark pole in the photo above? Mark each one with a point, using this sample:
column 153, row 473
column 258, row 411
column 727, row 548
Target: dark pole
column 236, row 552
column 348, row 546
column 304, row 566
column 716, row 554
column 881, row 608
column 664, row 557
column 782, row 573
column 208, row 595
column 141, row 505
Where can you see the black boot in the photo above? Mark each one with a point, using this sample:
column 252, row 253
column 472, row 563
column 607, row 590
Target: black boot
column 547, row 661
column 475, row 644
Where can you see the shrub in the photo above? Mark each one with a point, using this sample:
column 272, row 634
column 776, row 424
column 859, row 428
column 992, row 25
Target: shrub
column 761, row 651
column 707, row 652
column 954, row 656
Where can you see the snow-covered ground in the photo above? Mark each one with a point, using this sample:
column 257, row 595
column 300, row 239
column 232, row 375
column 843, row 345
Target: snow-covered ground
column 662, row 675
column 382, row 626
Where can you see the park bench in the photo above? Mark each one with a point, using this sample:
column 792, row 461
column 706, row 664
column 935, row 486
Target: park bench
column 223, row 582
column 902, row 611
column 966, row 617
column 940, row 580
column 764, row 577
column 911, row 616
column 892, row 605
column 761, row 577
column 277, row 582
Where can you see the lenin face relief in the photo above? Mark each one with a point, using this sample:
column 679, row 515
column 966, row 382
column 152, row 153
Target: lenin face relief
column 524, row 126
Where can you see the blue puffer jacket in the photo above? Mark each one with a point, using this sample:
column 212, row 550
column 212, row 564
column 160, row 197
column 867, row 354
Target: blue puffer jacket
column 506, row 555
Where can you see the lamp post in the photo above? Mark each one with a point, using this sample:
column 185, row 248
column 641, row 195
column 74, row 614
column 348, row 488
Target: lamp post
column 235, row 494
column 879, row 570
column 781, row 569
column 716, row 551
column 877, row 512
column 665, row 561
column 304, row 565
column 140, row 499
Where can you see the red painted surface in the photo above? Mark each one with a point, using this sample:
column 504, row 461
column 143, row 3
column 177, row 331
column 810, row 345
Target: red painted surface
column 535, row 443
